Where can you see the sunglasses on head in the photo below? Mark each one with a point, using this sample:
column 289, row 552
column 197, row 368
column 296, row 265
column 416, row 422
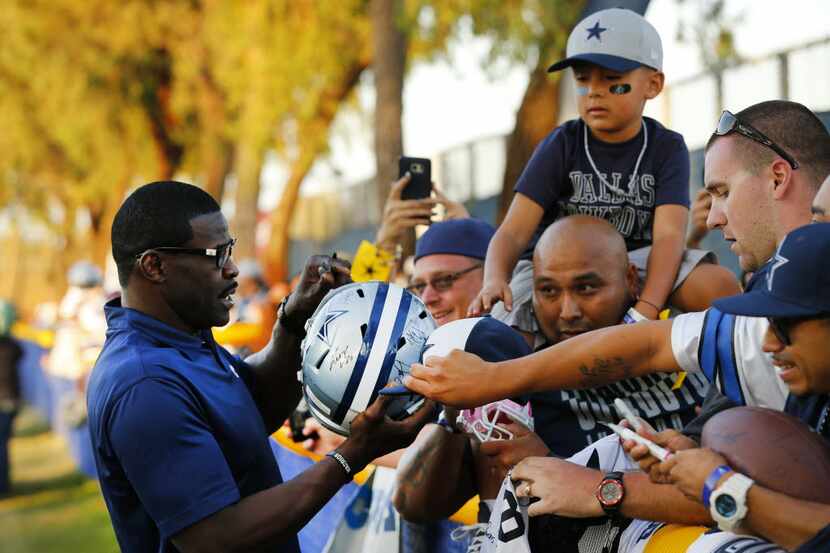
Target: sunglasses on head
column 729, row 122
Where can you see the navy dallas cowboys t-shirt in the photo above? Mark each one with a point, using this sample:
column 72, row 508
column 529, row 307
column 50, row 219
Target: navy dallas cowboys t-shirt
column 559, row 177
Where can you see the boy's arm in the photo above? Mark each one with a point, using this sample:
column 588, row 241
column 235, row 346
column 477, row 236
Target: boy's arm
column 669, row 234
column 435, row 476
column 592, row 359
column 511, row 238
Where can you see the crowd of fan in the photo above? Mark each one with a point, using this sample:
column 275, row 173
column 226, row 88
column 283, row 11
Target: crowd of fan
column 597, row 293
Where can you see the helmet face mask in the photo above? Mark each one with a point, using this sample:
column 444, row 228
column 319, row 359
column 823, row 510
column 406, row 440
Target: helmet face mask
column 486, row 422
column 361, row 337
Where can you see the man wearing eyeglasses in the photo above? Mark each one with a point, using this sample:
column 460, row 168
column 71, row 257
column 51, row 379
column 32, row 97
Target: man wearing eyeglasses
column 757, row 198
column 582, row 280
column 180, row 428
column 449, row 258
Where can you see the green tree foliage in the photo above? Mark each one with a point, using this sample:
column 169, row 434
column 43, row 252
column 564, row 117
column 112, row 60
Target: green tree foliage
column 97, row 96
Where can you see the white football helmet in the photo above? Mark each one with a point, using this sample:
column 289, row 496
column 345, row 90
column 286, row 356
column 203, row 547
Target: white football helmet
column 484, row 422
column 362, row 336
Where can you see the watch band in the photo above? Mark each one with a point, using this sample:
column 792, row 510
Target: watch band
column 289, row 324
column 728, row 502
column 616, row 479
column 711, row 482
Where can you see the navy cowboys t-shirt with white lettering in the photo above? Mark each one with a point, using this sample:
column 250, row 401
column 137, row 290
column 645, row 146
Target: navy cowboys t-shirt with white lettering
column 559, row 177
column 570, row 420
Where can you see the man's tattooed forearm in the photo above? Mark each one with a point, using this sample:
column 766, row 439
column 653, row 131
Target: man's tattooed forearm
column 604, row 371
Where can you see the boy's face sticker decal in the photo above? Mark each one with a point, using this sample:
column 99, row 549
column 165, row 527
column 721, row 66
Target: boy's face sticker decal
column 617, row 89
column 620, row 89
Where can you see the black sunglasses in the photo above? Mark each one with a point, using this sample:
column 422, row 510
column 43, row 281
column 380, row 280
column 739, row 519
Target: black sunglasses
column 441, row 283
column 220, row 253
column 729, row 122
column 783, row 326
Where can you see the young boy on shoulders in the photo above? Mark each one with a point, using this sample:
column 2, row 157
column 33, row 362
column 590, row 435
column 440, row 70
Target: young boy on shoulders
column 614, row 164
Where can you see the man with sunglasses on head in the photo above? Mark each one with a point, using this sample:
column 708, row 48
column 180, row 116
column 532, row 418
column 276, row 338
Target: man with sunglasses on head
column 758, row 196
column 180, row 428
column 795, row 299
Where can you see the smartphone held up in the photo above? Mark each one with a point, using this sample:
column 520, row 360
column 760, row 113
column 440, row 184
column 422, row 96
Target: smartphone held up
column 420, row 177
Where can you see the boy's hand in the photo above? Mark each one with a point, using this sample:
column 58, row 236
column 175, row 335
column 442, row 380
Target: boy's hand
column 491, row 293
column 697, row 221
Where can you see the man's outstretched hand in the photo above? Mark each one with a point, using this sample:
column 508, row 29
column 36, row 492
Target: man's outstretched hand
column 460, row 379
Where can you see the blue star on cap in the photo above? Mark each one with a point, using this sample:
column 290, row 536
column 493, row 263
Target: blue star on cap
column 595, row 31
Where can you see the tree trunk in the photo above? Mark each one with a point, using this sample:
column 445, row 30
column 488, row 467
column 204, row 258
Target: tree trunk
column 101, row 223
column 248, row 169
column 536, row 118
column 215, row 149
column 155, row 75
column 389, row 45
column 217, row 159
column 539, row 110
column 314, row 139
column 279, row 246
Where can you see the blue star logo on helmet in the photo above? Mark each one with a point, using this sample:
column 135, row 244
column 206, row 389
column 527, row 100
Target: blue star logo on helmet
column 427, row 346
column 595, row 31
column 323, row 333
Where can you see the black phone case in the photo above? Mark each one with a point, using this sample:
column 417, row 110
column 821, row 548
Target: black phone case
column 420, row 183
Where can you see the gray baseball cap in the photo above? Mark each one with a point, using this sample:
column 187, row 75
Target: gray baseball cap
column 617, row 39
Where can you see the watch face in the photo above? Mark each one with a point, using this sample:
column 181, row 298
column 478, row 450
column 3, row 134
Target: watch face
column 726, row 505
column 610, row 492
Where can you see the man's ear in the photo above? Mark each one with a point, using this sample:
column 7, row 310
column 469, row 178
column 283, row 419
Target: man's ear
column 151, row 267
column 655, row 83
column 782, row 175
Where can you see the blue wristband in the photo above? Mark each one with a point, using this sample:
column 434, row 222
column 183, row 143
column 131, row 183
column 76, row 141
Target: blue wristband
column 712, row 481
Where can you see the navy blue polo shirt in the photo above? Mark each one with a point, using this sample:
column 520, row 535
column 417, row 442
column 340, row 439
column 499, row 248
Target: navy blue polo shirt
column 176, row 433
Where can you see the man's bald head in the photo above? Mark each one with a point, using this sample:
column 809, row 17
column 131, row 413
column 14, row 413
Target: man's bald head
column 582, row 279
column 581, row 238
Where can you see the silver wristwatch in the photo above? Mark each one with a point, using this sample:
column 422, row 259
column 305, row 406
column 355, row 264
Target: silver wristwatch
column 727, row 504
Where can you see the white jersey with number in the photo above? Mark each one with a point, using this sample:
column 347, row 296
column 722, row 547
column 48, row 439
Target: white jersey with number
column 727, row 349
column 508, row 525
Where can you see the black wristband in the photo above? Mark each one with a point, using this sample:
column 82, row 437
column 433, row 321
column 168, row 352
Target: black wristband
column 337, row 456
column 291, row 325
